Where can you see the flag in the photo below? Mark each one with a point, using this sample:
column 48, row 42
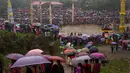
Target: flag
column 10, row 13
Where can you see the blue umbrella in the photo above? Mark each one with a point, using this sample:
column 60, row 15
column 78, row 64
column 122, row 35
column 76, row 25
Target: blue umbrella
column 93, row 49
column 88, row 45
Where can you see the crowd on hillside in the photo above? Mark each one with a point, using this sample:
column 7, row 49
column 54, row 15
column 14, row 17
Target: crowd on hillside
column 63, row 16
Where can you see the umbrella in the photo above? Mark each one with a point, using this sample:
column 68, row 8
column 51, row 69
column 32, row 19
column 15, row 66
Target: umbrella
column 84, row 36
column 79, row 50
column 69, row 51
column 54, row 58
column 70, row 54
column 34, row 52
column 14, row 56
column 90, row 42
column 46, row 56
column 85, row 50
column 114, row 43
column 93, row 49
column 82, row 54
column 30, row 60
column 88, row 45
column 97, row 56
column 80, row 59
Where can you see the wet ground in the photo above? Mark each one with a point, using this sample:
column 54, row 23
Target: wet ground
column 93, row 29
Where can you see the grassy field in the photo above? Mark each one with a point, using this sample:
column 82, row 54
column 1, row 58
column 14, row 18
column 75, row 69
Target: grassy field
column 116, row 66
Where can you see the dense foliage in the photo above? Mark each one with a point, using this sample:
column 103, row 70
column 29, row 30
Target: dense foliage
column 15, row 42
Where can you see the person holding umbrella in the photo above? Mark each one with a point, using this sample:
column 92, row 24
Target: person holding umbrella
column 87, row 67
column 61, row 69
column 96, row 67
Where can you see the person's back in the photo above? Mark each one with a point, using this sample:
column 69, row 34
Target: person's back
column 96, row 67
column 87, row 67
column 55, row 69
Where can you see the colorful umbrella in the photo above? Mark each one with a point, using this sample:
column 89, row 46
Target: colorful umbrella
column 82, row 54
column 34, row 52
column 97, row 56
column 30, row 60
column 80, row 59
column 14, row 56
column 55, row 58
column 69, row 51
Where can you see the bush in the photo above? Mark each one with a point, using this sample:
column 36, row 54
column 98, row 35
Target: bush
column 15, row 42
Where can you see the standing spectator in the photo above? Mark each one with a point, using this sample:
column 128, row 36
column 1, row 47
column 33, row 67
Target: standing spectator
column 79, row 69
column 60, row 66
column 96, row 67
column 87, row 67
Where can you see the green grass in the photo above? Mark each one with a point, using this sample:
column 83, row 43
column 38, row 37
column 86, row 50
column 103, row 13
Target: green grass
column 116, row 66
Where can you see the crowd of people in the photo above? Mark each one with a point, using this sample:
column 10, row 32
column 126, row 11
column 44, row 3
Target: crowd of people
column 62, row 15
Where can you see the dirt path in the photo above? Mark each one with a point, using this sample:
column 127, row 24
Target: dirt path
column 93, row 29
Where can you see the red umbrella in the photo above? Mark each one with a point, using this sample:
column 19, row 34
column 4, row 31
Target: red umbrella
column 55, row 58
column 69, row 51
column 34, row 52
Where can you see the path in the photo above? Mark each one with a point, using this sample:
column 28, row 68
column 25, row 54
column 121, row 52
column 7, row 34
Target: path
column 93, row 29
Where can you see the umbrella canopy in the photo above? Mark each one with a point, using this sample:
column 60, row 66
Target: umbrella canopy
column 97, row 56
column 80, row 59
column 46, row 56
column 14, row 56
column 31, row 60
column 90, row 42
column 82, row 54
column 79, row 50
column 55, row 58
column 93, row 48
column 34, row 52
column 69, row 51
column 113, row 43
column 85, row 50
column 88, row 45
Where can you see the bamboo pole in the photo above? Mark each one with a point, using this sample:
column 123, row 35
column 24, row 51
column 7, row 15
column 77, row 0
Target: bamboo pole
column 31, row 12
column 73, row 11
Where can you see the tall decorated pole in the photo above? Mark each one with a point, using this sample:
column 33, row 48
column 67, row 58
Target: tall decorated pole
column 50, row 10
column 40, row 11
column 73, row 11
column 122, row 15
column 10, row 12
column 31, row 12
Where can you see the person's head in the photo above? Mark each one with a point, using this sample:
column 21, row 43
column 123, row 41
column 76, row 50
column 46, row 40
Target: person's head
column 55, row 66
column 13, row 61
column 79, row 64
column 86, row 61
column 58, row 61
column 97, row 61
